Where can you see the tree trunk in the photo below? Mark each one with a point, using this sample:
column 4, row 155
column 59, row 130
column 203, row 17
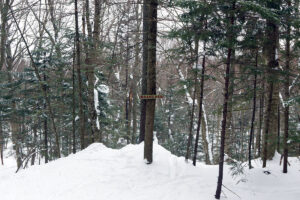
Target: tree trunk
column 91, row 62
column 146, row 24
column 271, row 114
column 73, row 106
column 261, row 116
column 128, row 102
column 46, row 140
column 35, row 145
column 1, row 143
column 4, row 18
column 14, row 118
column 278, row 129
column 253, row 112
column 15, row 131
column 267, row 126
column 151, row 78
column 225, row 105
column 287, row 94
column 205, row 141
column 200, row 107
column 135, row 77
column 187, row 155
column 223, row 131
column 80, row 88
column 229, row 137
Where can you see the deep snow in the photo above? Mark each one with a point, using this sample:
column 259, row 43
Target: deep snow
column 100, row 173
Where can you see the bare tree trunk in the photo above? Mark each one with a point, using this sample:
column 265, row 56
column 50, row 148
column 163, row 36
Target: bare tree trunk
column 225, row 105
column 34, row 144
column 287, row 94
column 204, row 141
column 278, row 129
column 1, row 142
column 271, row 53
column 15, row 131
column 253, row 111
column 223, row 132
column 151, row 78
column 128, row 102
column 261, row 116
column 218, row 136
column 187, row 155
column 146, row 24
column 200, row 107
column 15, row 119
column 4, row 19
column 80, row 88
column 267, row 126
column 73, row 106
column 46, row 141
column 91, row 62
column 229, row 137
column 135, row 77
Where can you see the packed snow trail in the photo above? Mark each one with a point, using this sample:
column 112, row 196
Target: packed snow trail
column 100, row 173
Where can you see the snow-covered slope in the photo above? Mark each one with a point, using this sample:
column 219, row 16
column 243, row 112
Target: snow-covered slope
column 100, row 173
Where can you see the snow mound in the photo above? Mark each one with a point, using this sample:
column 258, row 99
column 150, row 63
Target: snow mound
column 101, row 173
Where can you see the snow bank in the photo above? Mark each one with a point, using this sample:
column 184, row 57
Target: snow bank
column 100, row 173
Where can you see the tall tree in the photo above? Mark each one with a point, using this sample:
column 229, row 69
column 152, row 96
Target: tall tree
column 144, row 70
column 78, row 70
column 91, row 61
column 151, row 17
column 253, row 112
column 230, row 41
column 287, row 87
column 271, row 56
column 200, row 116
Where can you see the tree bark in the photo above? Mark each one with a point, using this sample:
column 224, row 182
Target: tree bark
column 80, row 88
column 225, row 104
column 187, row 155
column 151, row 78
column 34, row 144
column 253, row 112
column 73, row 106
column 4, row 19
column 91, row 62
column 1, row 143
column 135, row 77
column 229, row 137
column 261, row 116
column 46, row 138
column 204, row 141
column 146, row 24
column 287, row 94
column 200, row 106
column 271, row 57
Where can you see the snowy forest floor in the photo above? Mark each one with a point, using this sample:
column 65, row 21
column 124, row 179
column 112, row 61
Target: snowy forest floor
column 100, row 173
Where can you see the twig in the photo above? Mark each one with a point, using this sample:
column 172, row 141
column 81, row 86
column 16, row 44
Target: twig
column 231, row 191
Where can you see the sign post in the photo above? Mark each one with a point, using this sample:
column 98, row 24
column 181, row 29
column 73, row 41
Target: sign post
column 151, row 96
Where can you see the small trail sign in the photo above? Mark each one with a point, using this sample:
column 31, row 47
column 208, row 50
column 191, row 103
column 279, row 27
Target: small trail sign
column 151, row 96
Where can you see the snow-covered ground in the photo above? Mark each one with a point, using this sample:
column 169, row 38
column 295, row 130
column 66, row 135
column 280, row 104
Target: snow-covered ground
column 100, row 173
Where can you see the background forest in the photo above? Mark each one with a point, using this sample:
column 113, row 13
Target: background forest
column 72, row 72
